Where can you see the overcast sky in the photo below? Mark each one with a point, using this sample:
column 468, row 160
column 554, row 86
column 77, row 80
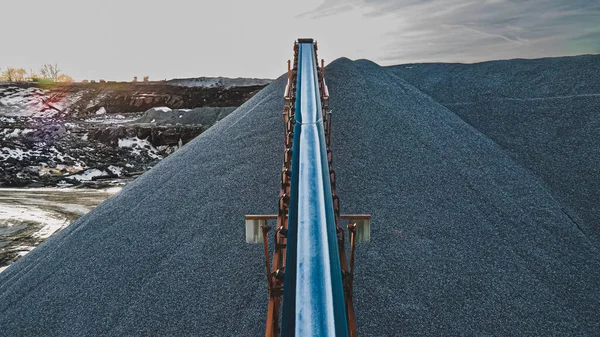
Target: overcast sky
column 119, row 39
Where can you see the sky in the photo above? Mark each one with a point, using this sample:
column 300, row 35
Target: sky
column 120, row 39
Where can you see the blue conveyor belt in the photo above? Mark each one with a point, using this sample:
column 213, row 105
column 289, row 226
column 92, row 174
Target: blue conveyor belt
column 313, row 302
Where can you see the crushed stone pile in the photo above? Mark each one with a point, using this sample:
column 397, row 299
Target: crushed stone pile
column 544, row 112
column 466, row 239
column 206, row 116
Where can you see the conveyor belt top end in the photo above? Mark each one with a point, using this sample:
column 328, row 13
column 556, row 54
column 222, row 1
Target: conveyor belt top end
column 306, row 40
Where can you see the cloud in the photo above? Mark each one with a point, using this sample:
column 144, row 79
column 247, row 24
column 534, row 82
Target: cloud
column 329, row 8
column 471, row 31
column 180, row 38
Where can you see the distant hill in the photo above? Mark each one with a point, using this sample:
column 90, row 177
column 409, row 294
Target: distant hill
column 224, row 82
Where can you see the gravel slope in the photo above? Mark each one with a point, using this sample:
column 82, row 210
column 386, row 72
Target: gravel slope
column 207, row 116
column 544, row 112
column 466, row 241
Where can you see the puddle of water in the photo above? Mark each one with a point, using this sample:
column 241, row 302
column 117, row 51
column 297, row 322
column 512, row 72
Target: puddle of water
column 29, row 216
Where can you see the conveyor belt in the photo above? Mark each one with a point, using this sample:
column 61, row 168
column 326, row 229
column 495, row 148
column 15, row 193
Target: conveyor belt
column 313, row 300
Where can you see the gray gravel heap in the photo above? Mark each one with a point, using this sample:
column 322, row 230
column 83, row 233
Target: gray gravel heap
column 465, row 241
column 544, row 112
column 207, row 116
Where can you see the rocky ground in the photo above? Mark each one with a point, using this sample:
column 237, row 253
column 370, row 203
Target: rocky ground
column 98, row 134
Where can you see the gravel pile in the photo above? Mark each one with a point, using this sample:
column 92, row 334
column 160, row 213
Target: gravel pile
column 544, row 112
column 206, row 116
column 465, row 241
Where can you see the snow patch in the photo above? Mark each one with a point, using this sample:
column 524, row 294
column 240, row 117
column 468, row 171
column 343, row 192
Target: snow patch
column 59, row 155
column 138, row 145
column 88, row 175
column 49, row 229
column 7, row 120
column 18, row 154
column 116, row 170
column 20, row 102
column 16, row 214
column 15, row 133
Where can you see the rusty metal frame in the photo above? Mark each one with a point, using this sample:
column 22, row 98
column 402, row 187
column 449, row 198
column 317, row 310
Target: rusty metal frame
column 276, row 270
column 275, row 290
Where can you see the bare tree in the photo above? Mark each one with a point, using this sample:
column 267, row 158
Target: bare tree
column 50, row 71
column 9, row 75
column 20, row 75
column 33, row 76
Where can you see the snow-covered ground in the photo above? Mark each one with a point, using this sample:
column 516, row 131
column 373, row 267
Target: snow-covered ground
column 113, row 119
column 30, row 216
column 59, row 135
column 15, row 100
column 69, row 153
column 18, row 154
